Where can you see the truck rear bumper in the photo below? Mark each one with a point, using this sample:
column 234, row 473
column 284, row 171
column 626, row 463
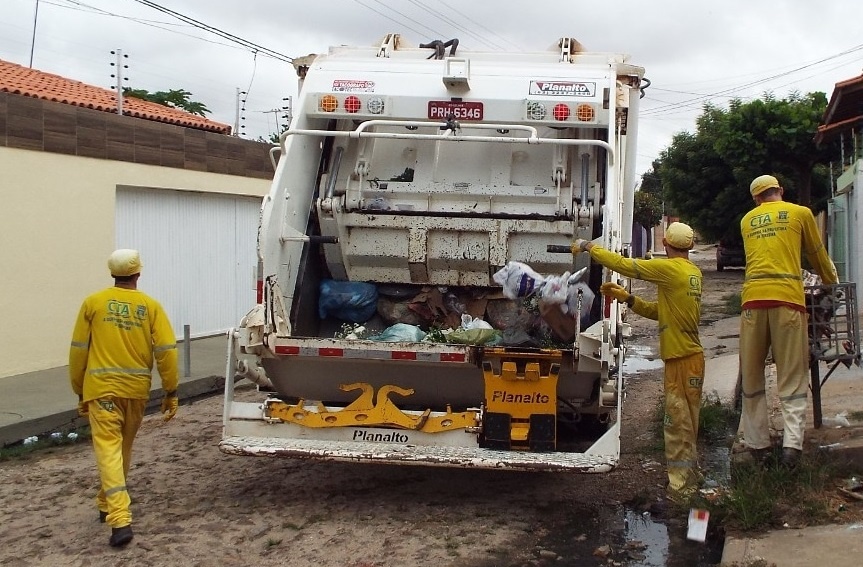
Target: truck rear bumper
column 464, row 457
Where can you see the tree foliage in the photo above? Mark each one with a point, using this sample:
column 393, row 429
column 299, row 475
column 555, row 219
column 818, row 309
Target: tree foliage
column 705, row 175
column 647, row 209
column 175, row 98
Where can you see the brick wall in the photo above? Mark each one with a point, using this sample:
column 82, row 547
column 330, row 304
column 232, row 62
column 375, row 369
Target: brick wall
column 41, row 125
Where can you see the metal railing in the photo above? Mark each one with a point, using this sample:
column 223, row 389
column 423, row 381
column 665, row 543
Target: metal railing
column 834, row 334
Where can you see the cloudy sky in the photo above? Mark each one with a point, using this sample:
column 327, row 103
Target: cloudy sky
column 693, row 51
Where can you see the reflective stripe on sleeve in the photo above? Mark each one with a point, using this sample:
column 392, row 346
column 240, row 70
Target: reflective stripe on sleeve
column 165, row 347
column 76, row 344
column 132, row 371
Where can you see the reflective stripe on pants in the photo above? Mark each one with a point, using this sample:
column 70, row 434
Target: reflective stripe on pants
column 114, row 422
column 684, row 379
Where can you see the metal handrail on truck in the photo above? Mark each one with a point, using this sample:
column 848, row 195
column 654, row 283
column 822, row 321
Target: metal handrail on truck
column 834, row 334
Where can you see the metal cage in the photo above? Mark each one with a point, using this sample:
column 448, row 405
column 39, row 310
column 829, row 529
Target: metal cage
column 834, row 333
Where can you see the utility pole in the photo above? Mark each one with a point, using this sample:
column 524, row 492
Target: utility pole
column 33, row 40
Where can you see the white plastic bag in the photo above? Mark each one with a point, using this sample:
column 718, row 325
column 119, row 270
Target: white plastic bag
column 468, row 322
column 518, row 280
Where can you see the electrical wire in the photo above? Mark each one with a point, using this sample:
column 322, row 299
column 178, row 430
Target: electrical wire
column 421, row 34
column 216, row 31
column 703, row 98
column 457, row 26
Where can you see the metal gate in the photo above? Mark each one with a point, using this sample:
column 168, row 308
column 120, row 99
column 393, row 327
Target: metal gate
column 198, row 251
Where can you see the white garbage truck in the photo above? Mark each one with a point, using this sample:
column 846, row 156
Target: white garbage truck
column 410, row 179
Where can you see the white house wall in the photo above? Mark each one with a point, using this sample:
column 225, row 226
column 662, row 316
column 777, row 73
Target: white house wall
column 58, row 228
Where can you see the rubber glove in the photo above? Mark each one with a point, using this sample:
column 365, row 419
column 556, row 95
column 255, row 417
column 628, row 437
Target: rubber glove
column 169, row 405
column 578, row 245
column 616, row 291
column 83, row 411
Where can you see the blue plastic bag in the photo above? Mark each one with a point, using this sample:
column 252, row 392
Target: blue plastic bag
column 355, row 302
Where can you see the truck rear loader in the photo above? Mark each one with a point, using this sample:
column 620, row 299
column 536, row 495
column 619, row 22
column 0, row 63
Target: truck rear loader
column 424, row 171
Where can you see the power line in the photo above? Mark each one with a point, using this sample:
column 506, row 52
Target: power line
column 82, row 7
column 457, row 26
column 701, row 99
column 421, row 34
column 476, row 23
column 216, row 31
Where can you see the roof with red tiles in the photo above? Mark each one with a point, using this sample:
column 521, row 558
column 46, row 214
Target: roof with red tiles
column 38, row 84
column 844, row 110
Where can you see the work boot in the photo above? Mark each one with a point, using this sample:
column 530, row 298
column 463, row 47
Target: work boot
column 120, row 536
column 790, row 457
column 103, row 516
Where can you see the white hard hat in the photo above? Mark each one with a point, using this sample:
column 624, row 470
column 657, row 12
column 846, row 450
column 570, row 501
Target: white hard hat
column 124, row 262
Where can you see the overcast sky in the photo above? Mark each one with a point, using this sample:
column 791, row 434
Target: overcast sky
column 693, row 51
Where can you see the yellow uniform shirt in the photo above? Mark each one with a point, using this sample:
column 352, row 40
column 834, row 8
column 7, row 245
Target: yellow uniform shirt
column 117, row 334
column 774, row 235
column 678, row 309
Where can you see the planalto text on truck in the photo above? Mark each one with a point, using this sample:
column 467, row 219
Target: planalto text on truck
column 409, row 179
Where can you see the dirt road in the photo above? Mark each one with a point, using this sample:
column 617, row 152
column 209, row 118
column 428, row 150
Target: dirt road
column 195, row 506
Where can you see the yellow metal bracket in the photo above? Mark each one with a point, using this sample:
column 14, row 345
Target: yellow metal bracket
column 369, row 410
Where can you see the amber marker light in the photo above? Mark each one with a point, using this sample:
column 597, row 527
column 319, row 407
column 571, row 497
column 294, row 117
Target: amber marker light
column 329, row 103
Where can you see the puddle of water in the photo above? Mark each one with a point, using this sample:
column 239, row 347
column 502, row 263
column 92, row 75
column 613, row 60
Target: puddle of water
column 640, row 358
column 641, row 528
column 627, row 537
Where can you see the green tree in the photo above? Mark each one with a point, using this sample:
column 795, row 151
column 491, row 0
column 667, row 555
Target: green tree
column 177, row 98
column 705, row 175
column 647, row 211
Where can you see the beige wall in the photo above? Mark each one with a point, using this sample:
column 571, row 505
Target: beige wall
column 57, row 215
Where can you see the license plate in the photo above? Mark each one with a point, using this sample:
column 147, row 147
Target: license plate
column 444, row 109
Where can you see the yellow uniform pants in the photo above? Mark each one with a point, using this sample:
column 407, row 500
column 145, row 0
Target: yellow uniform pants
column 782, row 330
column 114, row 422
column 684, row 379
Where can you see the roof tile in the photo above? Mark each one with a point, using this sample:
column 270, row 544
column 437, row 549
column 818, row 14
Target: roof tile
column 38, row 84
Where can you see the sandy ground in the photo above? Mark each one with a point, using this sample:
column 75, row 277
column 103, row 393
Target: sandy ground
column 192, row 505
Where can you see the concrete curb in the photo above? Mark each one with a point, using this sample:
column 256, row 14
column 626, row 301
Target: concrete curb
column 191, row 389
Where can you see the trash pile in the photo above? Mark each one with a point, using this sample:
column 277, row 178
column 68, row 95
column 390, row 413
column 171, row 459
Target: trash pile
column 529, row 310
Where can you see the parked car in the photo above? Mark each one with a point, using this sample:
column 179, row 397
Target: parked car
column 729, row 256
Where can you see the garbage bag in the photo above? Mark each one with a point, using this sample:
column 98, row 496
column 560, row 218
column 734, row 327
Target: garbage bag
column 400, row 332
column 518, row 280
column 355, row 302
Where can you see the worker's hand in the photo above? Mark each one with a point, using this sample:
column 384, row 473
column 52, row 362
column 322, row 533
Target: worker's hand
column 82, row 407
column 614, row 290
column 169, row 405
column 579, row 245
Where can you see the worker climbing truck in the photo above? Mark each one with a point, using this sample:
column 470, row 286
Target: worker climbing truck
column 414, row 303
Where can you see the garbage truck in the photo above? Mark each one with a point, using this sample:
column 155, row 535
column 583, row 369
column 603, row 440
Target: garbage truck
column 420, row 217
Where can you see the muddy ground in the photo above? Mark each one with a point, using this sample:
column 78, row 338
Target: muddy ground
column 193, row 506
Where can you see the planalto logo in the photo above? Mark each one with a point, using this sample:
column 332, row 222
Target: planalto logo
column 502, row 396
column 562, row 88
column 375, row 437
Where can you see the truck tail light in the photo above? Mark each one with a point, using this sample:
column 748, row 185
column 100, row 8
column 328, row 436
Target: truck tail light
column 560, row 111
column 585, row 113
column 352, row 104
column 535, row 110
column 329, row 103
column 259, row 283
column 375, row 105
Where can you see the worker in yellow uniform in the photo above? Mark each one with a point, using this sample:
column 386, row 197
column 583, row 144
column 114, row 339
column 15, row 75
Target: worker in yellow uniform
column 118, row 333
column 775, row 236
column 677, row 311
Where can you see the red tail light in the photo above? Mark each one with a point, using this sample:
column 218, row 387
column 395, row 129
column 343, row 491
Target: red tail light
column 560, row 111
